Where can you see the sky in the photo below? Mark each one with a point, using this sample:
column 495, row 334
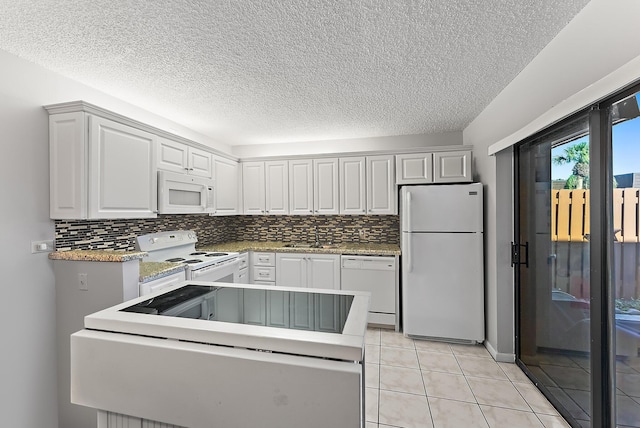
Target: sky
column 626, row 150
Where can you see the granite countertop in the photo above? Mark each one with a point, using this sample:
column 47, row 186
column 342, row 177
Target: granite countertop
column 155, row 270
column 279, row 247
column 97, row 255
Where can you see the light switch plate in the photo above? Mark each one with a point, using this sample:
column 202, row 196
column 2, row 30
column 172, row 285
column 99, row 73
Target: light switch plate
column 42, row 246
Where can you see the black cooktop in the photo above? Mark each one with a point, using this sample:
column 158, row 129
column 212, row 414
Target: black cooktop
column 158, row 305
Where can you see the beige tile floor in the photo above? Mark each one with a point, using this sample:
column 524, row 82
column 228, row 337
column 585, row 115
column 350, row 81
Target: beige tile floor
column 419, row 384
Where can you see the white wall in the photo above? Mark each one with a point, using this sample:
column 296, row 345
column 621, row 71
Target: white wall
column 600, row 42
column 398, row 142
column 27, row 319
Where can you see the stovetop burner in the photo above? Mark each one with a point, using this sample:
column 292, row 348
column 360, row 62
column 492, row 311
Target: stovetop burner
column 178, row 246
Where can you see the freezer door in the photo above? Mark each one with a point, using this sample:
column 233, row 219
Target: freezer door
column 447, row 208
column 443, row 285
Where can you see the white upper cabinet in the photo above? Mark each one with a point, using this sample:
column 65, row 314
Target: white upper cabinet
column 301, row 187
column 226, row 186
column 325, row 186
column 180, row 157
column 253, row 195
column 382, row 192
column 414, row 168
column 68, row 168
column 452, row 167
column 277, row 187
column 100, row 168
column 438, row 167
column 352, row 185
column 265, row 187
column 122, row 179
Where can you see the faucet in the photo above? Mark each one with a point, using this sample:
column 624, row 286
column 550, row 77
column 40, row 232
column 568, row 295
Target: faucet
column 317, row 238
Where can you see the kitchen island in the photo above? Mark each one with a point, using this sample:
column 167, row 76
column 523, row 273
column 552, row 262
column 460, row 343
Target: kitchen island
column 204, row 354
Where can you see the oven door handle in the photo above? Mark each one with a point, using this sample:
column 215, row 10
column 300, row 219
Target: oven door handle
column 206, row 270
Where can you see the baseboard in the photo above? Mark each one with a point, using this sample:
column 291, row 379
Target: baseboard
column 501, row 357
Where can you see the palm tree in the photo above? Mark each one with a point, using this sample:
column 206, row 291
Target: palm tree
column 578, row 153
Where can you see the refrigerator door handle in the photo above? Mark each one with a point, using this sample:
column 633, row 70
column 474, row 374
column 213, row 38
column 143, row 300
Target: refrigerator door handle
column 408, row 206
column 409, row 258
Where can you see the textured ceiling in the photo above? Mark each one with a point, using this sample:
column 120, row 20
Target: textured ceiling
column 267, row 71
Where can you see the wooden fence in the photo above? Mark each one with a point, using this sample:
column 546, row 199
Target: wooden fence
column 570, row 225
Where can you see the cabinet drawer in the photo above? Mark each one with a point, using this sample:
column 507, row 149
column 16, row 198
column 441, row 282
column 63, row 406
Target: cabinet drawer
column 264, row 273
column 264, row 259
column 243, row 276
column 243, row 261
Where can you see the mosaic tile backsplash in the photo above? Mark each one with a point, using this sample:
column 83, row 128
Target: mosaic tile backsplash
column 120, row 234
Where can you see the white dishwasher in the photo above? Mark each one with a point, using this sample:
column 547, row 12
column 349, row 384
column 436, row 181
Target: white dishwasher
column 377, row 275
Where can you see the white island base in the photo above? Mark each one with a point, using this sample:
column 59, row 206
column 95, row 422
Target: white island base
column 197, row 385
column 141, row 370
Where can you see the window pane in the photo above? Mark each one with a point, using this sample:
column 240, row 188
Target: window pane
column 626, row 256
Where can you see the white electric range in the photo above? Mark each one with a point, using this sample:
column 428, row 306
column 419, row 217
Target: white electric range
column 179, row 246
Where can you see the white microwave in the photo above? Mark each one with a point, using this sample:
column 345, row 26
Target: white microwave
column 184, row 194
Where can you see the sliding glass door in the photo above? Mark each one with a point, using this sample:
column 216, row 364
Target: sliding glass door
column 625, row 287
column 577, row 257
column 554, row 331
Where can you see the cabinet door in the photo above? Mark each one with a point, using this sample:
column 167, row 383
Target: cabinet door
column 200, row 163
column 326, row 313
column 414, row 168
column 324, row 271
column 253, row 187
column 301, row 187
column 382, row 192
column 226, row 186
column 325, row 186
column 277, row 187
column 291, row 270
column 172, row 156
column 452, row 167
column 352, row 186
column 301, row 311
column 254, row 309
column 122, row 171
column 67, row 166
column 278, row 308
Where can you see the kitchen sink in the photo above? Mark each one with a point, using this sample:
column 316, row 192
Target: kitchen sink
column 313, row 245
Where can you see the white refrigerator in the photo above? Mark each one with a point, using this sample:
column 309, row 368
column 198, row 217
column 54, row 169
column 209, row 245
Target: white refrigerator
column 443, row 262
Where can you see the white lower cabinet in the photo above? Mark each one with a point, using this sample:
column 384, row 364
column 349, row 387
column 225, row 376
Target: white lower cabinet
column 243, row 268
column 262, row 267
column 308, row 270
column 254, row 305
column 308, row 311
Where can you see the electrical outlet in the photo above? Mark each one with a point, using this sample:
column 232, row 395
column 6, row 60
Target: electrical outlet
column 83, row 283
column 42, row 246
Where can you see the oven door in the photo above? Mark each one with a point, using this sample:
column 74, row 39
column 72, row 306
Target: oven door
column 226, row 271
column 184, row 194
